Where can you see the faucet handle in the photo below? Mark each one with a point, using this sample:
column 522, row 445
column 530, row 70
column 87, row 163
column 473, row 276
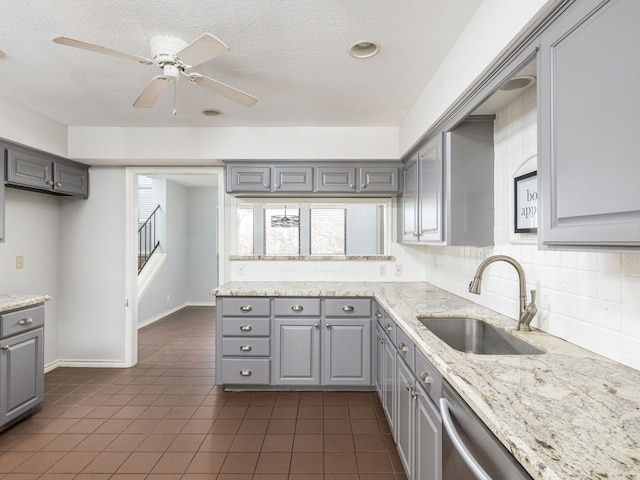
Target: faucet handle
column 533, row 296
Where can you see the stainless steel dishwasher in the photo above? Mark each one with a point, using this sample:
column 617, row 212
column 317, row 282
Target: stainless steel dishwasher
column 469, row 450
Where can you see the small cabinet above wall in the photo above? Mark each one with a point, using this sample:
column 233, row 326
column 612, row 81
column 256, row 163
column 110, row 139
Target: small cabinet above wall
column 38, row 171
column 448, row 187
column 588, row 123
column 313, row 178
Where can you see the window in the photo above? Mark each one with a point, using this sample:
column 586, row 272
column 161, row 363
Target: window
column 320, row 228
column 328, row 231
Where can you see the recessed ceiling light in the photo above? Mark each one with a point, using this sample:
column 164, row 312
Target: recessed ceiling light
column 212, row 113
column 516, row 83
column 363, row 49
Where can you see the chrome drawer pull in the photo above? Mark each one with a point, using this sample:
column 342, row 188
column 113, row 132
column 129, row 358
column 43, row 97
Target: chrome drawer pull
column 246, row 328
column 246, row 308
column 245, row 348
column 378, row 315
column 245, row 373
column 402, row 347
column 347, row 308
column 26, row 321
column 297, row 308
column 425, row 377
column 388, row 327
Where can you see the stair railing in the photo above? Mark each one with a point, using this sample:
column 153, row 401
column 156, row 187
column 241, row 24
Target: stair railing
column 147, row 240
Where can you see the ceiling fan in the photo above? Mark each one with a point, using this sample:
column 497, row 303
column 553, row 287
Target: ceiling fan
column 174, row 57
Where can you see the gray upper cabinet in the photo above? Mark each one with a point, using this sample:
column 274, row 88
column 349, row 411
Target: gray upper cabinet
column 38, row 171
column 246, row 178
column 378, row 179
column 588, row 123
column 323, row 178
column 336, row 179
column 448, row 187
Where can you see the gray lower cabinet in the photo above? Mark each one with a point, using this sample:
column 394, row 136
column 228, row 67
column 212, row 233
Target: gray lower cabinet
column 346, row 352
column 427, row 438
column 448, row 193
column 296, row 359
column 46, row 173
column 244, row 341
column 21, row 362
column 588, row 123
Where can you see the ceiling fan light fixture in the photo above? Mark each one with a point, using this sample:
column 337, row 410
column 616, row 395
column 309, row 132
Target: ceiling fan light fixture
column 364, row 49
column 211, row 112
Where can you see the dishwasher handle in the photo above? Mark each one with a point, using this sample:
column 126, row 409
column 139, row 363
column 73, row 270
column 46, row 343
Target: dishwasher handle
column 447, row 422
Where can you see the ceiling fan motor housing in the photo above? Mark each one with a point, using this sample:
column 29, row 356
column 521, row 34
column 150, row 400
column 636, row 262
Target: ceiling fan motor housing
column 164, row 48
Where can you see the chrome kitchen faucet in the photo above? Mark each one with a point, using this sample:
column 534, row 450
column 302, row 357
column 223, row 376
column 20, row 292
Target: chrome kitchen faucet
column 526, row 312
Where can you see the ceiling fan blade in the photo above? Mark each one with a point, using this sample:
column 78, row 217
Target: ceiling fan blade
column 202, row 49
column 223, row 89
column 70, row 42
column 152, row 92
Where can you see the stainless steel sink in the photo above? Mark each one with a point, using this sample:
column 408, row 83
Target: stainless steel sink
column 471, row 335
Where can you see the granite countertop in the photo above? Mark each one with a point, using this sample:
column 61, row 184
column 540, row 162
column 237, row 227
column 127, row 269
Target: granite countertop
column 567, row 414
column 13, row 302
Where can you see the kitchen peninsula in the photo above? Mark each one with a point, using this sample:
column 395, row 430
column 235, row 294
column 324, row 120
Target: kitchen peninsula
column 565, row 414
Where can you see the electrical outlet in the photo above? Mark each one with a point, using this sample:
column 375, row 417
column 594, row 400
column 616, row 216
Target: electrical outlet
column 398, row 270
column 382, row 271
column 19, row 262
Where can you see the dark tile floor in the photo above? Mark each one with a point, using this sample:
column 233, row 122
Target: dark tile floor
column 166, row 419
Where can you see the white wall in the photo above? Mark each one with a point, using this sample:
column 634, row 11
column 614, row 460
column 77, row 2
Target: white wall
column 33, row 231
column 201, row 245
column 92, row 272
column 32, row 221
column 169, row 288
column 208, row 146
column 494, row 25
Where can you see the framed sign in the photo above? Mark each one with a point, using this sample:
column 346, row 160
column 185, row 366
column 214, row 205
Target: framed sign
column 526, row 203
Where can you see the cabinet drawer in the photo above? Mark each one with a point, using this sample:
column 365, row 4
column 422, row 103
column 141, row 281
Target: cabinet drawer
column 406, row 348
column 246, row 306
column 250, row 327
column 428, row 376
column 347, row 307
column 246, row 347
column 297, row 307
column 247, row 371
column 21, row 320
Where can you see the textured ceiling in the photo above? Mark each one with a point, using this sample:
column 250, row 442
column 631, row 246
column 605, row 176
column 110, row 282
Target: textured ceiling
column 291, row 54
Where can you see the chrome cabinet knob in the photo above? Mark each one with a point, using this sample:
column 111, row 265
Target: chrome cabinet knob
column 58, row 184
column 25, row 321
column 277, row 185
column 246, row 308
column 5, row 348
column 49, row 182
column 266, row 186
column 402, row 347
column 297, row 308
column 245, row 373
column 425, row 377
column 388, row 327
column 348, row 308
column 378, row 315
column 328, row 325
column 246, row 328
column 246, row 348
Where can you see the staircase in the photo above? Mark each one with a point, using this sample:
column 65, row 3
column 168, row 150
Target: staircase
column 148, row 242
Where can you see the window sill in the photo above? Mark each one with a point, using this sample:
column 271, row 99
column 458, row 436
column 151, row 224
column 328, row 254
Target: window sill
column 375, row 258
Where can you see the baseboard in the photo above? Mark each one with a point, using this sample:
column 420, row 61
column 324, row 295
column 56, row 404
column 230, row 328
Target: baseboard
column 160, row 316
column 85, row 363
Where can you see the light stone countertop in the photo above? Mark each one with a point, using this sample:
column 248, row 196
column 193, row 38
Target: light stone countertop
column 13, row 302
column 566, row 414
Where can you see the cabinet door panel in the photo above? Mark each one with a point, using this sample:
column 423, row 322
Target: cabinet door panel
column 410, row 202
column 389, row 384
column 335, row 179
column 378, row 179
column 293, row 179
column 347, row 352
column 405, row 416
column 29, row 170
column 21, row 374
column 248, row 179
column 296, row 358
column 428, row 445
column 72, row 180
column 588, row 122
column 431, row 179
